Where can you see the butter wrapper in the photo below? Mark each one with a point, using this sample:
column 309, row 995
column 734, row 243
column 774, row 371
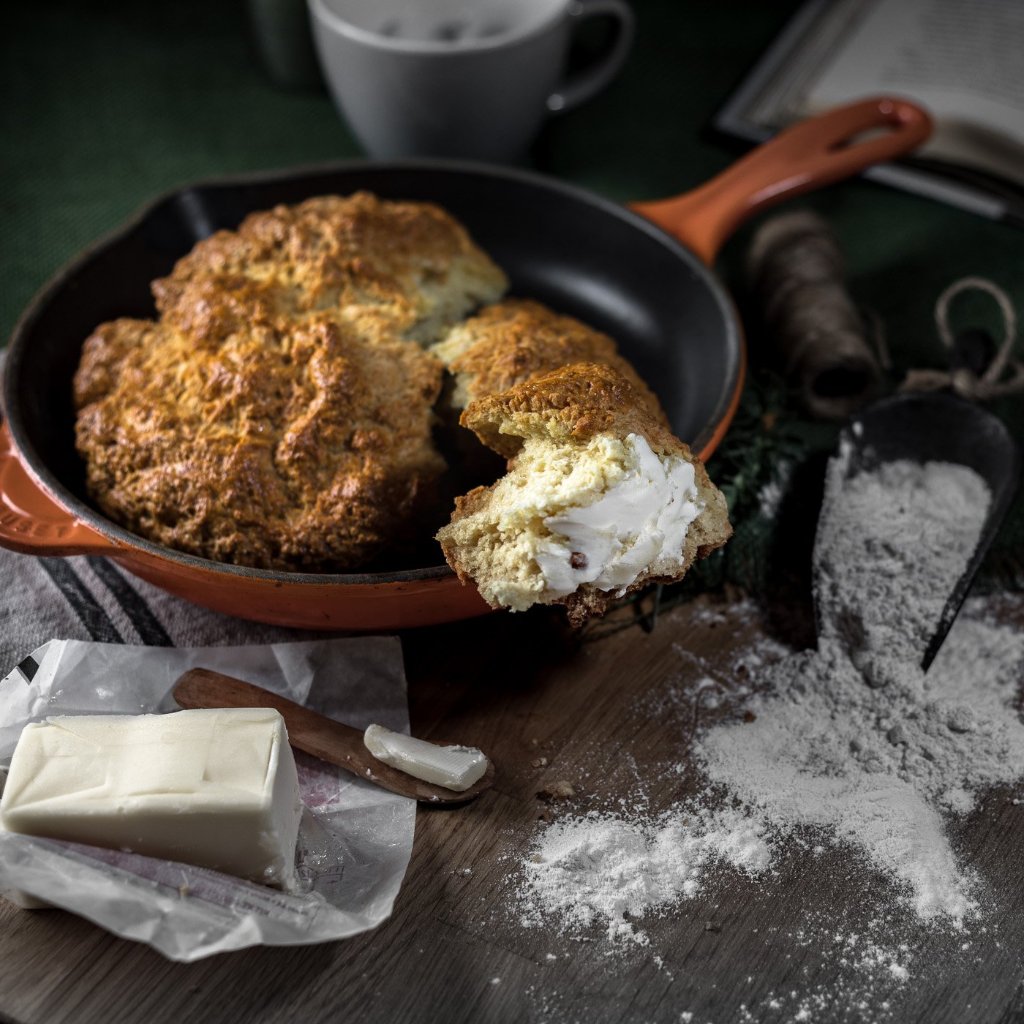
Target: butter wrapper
column 355, row 839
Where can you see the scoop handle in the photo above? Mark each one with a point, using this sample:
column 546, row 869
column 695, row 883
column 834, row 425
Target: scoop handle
column 316, row 734
column 807, row 155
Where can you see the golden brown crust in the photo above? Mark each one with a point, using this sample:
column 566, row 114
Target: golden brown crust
column 279, row 414
column 512, row 341
column 303, row 449
column 410, row 265
column 465, row 505
column 571, row 403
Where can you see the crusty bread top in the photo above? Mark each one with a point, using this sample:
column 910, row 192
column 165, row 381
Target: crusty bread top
column 306, row 448
column 279, row 413
column 511, row 341
column 409, row 264
column 571, row 403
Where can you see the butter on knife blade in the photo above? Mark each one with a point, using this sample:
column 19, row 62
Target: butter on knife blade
column 455, row 768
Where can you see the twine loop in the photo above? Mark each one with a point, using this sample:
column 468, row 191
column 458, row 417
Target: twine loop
column 1004, row 375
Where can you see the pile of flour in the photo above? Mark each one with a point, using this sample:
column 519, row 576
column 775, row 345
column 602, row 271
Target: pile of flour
column 890, row 547
column 608, row 870
column 851, row 740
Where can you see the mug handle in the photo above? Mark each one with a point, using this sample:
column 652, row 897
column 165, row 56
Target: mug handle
column 579, row 87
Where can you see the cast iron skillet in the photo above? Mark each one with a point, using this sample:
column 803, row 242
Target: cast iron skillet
column 609, row 266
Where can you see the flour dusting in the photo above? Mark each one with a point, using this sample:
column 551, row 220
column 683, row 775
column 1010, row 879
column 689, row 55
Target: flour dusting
column 851, row 742
column 890, row 547
column 854, row 736
column 611, row 869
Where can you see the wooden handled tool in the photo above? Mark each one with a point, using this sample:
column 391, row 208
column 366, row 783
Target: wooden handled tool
column 318, row 735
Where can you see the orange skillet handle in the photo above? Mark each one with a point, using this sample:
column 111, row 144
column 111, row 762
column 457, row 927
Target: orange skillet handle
column 31, row 521
column 805, row 156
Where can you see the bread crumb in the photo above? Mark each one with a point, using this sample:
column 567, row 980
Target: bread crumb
column 560, row 790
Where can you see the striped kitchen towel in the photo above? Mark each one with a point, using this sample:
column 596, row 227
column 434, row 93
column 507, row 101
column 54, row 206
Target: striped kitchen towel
column 91, row 598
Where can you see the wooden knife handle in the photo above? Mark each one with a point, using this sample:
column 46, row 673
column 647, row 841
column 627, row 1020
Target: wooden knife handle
column 315, row 734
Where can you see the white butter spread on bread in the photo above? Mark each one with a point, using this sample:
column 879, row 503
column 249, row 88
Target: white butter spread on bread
column 599, row 514
column 600, row 498
column 638, row 522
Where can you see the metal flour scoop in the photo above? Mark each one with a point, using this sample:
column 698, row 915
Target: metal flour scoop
column 920, row 428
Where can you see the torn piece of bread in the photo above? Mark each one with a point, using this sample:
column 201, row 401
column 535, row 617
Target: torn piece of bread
column 600, row 499
column 516, row 339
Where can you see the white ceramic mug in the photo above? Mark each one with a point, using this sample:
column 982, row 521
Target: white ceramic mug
column 458, row 78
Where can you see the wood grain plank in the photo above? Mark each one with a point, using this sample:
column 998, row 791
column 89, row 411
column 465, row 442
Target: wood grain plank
column 613, row 716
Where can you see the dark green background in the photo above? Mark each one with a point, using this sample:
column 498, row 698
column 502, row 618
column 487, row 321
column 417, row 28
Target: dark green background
column 105, row 106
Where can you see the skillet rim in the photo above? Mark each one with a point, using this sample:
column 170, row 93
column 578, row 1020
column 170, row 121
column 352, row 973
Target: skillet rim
column 124, row 541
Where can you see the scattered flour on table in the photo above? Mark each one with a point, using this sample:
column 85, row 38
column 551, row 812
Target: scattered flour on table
column 851, row 741
column 610, row 870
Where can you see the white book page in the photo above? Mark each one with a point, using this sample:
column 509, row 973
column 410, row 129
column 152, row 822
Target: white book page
column 961, row 59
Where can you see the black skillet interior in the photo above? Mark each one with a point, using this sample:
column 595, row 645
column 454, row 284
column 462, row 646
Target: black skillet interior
column 572, row 250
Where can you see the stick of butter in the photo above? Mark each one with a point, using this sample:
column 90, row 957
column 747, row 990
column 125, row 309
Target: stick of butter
column 217, row 788
column 455, row 768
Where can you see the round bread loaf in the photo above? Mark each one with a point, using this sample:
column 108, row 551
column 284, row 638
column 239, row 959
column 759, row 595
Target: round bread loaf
column 279, row 413
column 306, row 449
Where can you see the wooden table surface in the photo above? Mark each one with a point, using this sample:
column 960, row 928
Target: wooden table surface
column 605, row 713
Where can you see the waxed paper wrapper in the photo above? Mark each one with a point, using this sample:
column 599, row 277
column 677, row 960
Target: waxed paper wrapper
column 355, row 838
